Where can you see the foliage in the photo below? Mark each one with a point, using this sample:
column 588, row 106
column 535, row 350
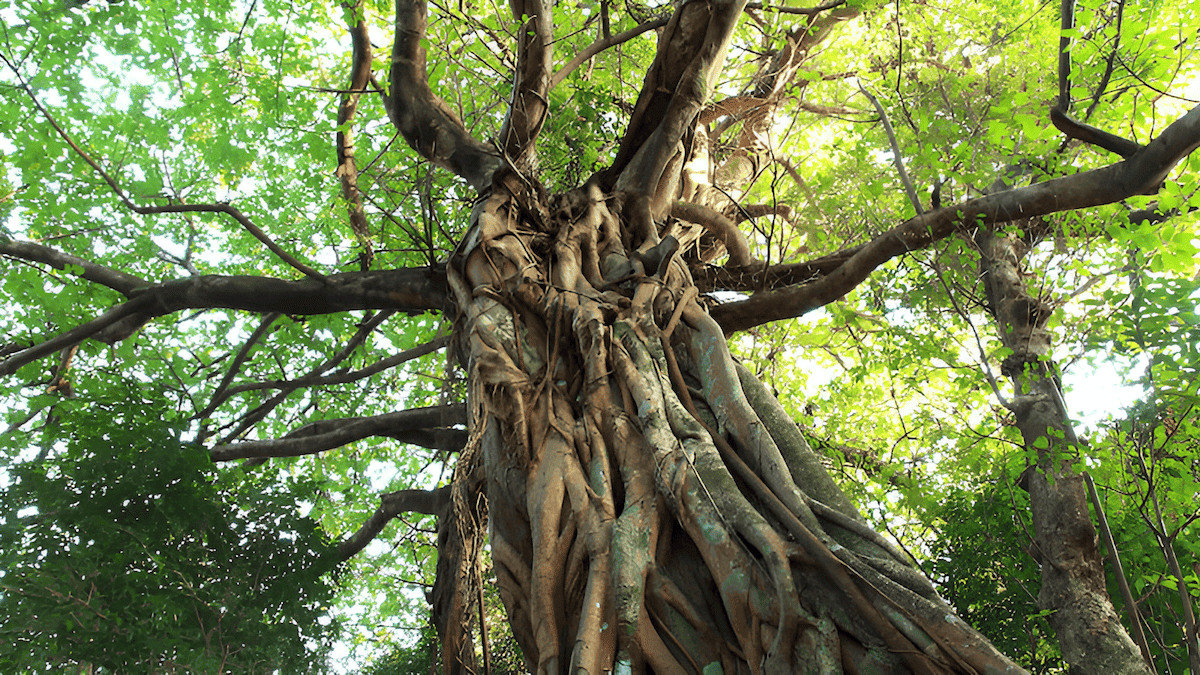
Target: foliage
column 121, row 548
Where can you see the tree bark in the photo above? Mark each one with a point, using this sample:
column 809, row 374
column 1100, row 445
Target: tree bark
column 1089, row 632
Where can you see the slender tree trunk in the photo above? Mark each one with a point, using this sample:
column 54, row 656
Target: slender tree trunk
column 1090, row 634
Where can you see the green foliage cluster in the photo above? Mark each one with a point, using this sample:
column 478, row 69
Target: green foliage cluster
column 122, row 549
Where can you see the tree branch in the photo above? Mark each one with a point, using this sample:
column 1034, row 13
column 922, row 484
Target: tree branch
column 304, row 441
column 1141, row 174
column 721, row 227
column 897, row 158
column 531, row 82
column 426, row 122
column 72, row 337
column 676, row 86
column 360, row 77
column 392, row 504
column 807, row 11
column 122, row 282
column 601, row 45
column 1060, row 113
column 352, row 376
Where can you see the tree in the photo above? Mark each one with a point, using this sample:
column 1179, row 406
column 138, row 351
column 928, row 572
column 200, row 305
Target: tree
column 648, row 503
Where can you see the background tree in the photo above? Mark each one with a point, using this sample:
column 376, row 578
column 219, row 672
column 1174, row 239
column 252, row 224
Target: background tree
column 601, row 201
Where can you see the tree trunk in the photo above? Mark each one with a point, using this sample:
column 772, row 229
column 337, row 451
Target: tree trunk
column 650, row 509
column 1090, row 635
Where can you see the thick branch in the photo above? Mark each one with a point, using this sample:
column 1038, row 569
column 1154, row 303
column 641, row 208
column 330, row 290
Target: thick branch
column 72, row 337
column 311, row 439
column 392, row 504
column 720, row 226
column 405, row 290
column 425, row 121
column 122, row 282
column 531, row 81
column 1141, row 174
column 691, row 51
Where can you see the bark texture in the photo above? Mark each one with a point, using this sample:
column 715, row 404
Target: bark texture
column 1089, row 632
column 644, row 513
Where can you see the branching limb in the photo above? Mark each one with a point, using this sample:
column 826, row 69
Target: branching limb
column 426, row 122
column 1060, row 114
column 352, row 376
column 259, row 412
column 219, row 394
column 303, row 442
column 1140, row 174
column 74, row 336
column 601, row 45
column 227, row 209
column 676, row 86
column 392, row 504
column 897, row 158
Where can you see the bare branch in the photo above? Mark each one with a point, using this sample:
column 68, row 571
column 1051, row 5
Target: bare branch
column 392, row 504
column 601, row 45
column 1141, row 174
column 304, row 442
column 426, row 122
